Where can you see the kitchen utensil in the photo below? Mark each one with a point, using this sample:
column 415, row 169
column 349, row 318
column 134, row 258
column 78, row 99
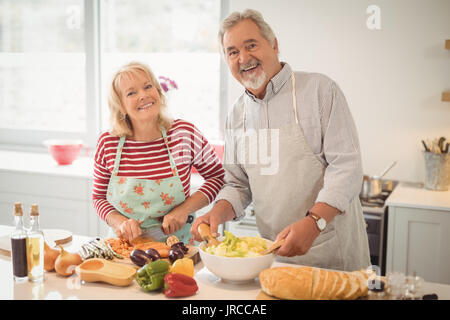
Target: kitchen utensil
column 205, row 233
column 236, row 269
column 65, row 151
column 372, row 186
column 437, row 171
column 101, row 270
column 441, row 144
column 149, row 235
column 274, row 246
column 426, row 147
column 385, row 171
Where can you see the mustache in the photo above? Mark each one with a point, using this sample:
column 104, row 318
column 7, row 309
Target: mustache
column 249, row 64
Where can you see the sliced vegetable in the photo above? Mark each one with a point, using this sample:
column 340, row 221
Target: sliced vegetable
column 179, row 285
column 151, row 276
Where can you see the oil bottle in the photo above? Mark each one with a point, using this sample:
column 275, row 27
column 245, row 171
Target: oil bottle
column 19, row 246
column 35, row 247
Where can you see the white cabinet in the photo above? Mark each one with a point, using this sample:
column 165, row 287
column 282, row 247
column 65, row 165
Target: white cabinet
column 64, row 202
column 419, row 238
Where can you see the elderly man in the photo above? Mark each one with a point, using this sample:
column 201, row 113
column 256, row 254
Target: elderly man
column 308, row 195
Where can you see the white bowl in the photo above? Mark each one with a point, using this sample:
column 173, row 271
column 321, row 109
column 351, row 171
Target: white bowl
column 236, row 269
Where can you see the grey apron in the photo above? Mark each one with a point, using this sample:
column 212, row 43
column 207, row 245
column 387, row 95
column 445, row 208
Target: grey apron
column 285, row 197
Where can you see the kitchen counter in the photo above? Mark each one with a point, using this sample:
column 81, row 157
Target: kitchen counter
column 410, row 196
column 210, row 287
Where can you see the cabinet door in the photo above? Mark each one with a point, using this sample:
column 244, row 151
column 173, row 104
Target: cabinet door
column 64, row 202
column 418, row 241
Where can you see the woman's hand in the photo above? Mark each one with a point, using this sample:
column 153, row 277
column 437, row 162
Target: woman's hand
column 299, row 237
column 124, row 228
column 174, row 220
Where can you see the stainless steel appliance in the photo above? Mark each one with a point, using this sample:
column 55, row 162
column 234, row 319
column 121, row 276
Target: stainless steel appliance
column 375, row 214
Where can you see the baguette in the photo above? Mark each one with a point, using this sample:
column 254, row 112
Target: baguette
column 287, row 282
column 329, row 286
column 307, row 283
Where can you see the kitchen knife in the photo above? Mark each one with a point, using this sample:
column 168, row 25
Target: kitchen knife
column 150, row 235
column 155, row 234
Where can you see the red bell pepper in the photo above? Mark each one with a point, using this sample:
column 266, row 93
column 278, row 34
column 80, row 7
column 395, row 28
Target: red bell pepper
column 179, row 285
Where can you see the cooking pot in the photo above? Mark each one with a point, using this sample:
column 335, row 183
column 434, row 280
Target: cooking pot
column 373, row 186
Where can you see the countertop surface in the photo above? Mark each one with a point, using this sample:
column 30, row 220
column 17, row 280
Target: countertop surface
column 43, row 163
column 410, row 196
column 211, row 287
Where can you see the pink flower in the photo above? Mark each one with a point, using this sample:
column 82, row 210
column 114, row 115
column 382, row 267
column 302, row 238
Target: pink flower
column 167, row 83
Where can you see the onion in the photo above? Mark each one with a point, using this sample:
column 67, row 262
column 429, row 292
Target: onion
column 66, row 262
column 50, row 256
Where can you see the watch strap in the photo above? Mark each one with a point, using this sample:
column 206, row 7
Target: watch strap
column 316, row 219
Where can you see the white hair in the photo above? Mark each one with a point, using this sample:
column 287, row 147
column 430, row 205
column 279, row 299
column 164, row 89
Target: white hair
column 236, row 17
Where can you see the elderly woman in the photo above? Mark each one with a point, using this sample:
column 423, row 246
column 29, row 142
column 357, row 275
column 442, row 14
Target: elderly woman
column 143, row 165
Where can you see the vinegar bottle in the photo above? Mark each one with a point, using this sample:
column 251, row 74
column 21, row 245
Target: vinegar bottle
column 18, row 246
column 35, row 247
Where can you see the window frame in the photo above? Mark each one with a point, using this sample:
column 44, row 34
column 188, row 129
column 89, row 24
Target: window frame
column 31, row 140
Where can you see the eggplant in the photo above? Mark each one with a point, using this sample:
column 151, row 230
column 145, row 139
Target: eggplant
column 139, row 257
column 175, row 254
column 153, row 254
column 180, row 245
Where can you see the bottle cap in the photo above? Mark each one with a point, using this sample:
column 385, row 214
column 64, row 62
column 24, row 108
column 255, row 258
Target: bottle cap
column 34, row 210
column 18, row 209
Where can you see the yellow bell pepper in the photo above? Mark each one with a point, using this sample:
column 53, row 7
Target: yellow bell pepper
column 184, row 266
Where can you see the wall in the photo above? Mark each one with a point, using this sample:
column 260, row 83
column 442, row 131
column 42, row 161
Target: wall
column 392, row 78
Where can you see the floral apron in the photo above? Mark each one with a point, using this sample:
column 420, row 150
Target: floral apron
column 148, row 200
column 285, row 197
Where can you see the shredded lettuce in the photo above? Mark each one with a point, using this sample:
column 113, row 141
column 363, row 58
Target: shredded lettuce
column 233, row 246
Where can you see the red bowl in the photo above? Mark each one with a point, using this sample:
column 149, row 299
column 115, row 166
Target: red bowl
column 64, row 151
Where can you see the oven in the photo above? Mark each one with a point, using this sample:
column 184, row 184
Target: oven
column 376, row 228
column 376, row 216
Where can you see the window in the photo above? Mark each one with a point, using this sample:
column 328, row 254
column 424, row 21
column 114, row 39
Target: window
column 42, row 66
column 176, row 39
column 57, row 58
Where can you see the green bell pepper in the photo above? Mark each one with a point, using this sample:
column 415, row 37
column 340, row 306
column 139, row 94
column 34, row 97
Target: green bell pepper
column 151, row 276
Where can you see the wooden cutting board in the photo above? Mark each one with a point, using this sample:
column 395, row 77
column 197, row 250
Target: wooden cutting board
column 57, row 235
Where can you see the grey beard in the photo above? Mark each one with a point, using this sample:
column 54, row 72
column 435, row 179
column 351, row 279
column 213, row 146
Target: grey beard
column 255, row 82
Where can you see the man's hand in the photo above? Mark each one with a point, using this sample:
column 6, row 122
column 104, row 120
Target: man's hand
column 299, row 237
column 220, row 213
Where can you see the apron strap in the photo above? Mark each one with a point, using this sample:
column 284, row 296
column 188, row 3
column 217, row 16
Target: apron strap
column 120, row 148
column 294, row 104
column 118, row 155
column 172, row 162
column 294, row 99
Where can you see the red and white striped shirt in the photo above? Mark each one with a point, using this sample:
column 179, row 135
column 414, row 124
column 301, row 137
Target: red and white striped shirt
column 150, row 160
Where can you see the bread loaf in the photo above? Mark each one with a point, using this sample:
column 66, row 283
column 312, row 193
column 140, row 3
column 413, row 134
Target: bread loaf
column 287, row 282
column 307, row 283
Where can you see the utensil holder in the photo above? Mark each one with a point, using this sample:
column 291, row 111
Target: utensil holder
column 437, row 171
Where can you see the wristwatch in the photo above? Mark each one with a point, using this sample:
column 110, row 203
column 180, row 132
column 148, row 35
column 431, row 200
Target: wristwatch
column 320, row 222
